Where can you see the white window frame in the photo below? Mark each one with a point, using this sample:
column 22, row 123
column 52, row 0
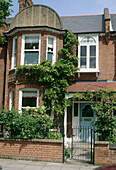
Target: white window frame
column 11, row 98
column 24, row 50
column 96, row 38
column 13, row 53
column 54, row 48
column 21, row 95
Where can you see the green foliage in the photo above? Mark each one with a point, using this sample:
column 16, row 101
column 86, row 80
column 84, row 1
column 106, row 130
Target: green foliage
column 55, row 78
column 105, row 123
column 31, row 124
column 4, row 12
column 54, row 135
column 67, row 152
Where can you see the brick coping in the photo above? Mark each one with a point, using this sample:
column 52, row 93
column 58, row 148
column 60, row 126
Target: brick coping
column 102, row 142
column 34, row 140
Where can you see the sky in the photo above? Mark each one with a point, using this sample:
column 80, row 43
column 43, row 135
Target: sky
column 73, row 7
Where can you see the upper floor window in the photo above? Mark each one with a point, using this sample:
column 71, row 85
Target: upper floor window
column 31, row 49
column 51, row 48
column 14, row 52
column 88, row 53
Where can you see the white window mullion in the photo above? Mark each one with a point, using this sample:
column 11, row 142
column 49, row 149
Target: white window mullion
column 10, row 103
column 22, row 53
column 54, row 50
column 79, row 56
column 20, row 100
column 37, row 104
column 97, row 53
column 88, row 56
column 14, row 47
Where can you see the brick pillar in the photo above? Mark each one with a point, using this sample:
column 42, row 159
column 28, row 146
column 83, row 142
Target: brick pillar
column 101, row 152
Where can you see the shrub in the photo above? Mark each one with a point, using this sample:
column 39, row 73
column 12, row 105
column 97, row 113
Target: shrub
column 105, row 124
column 32, row 123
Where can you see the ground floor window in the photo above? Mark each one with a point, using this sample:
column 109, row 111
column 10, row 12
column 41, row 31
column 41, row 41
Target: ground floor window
column 28, row 97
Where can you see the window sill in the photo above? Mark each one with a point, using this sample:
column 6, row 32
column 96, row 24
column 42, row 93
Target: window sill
column 12, row 69
column 88, row 71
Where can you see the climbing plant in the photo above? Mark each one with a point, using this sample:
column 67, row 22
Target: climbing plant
column 55, row 78
column 105, row 124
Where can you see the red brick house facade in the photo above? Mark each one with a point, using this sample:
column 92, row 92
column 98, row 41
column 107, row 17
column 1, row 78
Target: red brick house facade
column 37, row 31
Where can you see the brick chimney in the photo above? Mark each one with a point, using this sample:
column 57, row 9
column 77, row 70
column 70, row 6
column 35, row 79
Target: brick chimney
column 24, row 3
column 107, row 24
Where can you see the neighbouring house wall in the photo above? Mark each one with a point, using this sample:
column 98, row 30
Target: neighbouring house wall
column 104, row 153
column 46, row 149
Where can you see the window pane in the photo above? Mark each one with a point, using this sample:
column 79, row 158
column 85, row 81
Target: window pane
column 15, row 51
column 75, row 109
column 31, row 102
column 83, row 62
column 15, row 44
column 31, row 57
column 83, row 51
column 92, row 62
column 29, row 98
column 31, row 42
column 29, row 94
column 15, row 59
column 50, row 41
column 92, row 50
column 49, row 57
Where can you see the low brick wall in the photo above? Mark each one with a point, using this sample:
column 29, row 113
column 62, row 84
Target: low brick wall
column 44, row 149
column 105, row 153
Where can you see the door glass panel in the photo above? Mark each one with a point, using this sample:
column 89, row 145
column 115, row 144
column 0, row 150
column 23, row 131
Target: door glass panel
column 75, row 109
column 87, row 111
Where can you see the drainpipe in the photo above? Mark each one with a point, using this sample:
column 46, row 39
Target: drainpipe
column 63, row 135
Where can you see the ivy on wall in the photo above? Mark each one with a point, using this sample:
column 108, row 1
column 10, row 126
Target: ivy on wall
column 55, row 78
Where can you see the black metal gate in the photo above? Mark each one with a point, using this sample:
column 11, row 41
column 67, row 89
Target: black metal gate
column 83, row 139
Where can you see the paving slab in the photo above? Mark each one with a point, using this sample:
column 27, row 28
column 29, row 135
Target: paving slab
column 10, row 164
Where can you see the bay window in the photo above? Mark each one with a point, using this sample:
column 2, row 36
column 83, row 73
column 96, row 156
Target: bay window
column 31, row 49
column 88, row 53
